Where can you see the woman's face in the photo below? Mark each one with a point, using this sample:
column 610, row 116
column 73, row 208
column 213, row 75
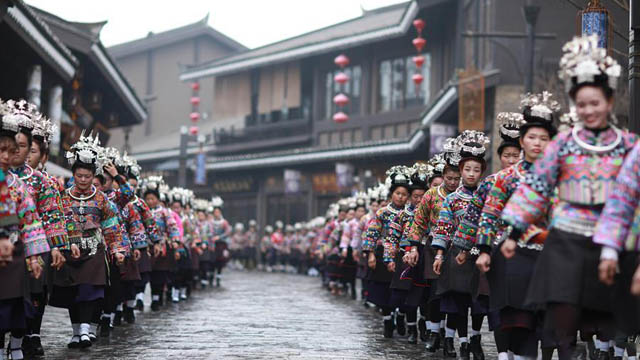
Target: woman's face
column 351, row 214
column 7, row 149
column 374, row 206
column 22, row 151
column 451, row 180
column 436, row 181
column 217, row 213
column 510, row 155
column 471, row 172
column 592, row 107
column 416, row 196
column 151, row 200
column 177, row 207
column 83, row 178
column 360, row 211
column 399, row 196
column 34, row 157
column 534, row 142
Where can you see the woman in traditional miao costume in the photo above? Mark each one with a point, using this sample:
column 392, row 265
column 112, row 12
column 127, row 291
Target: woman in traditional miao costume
column 444, row 180
column 95, row 237
column 373, row 198
column 380, row 257
column 221, row 232
column 458, row 284
column 405, row 293
column 22, row 243
column 355, row 230
column 205, row 229
column 582, row 165
column 509, row 265
column 348, row 265
column 164, row 254
column 187, row 267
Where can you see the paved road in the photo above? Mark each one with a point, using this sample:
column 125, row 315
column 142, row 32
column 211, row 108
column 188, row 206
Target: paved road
column 253, row 316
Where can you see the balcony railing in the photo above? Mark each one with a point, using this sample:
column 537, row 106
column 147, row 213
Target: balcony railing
column 265, row 131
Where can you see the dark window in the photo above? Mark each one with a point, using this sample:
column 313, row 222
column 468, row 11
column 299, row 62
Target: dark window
column 396, row 89
column 352, row 89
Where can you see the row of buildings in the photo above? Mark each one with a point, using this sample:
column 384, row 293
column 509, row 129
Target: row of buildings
column 268, row 110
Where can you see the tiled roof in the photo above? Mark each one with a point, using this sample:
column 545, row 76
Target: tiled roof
column 160, row 39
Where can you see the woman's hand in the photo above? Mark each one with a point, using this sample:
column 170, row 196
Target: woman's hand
column 136, row 255
column 461, row 258
column 484, row 262
column 36, row 269
column 607, row 271
column 391, row 267
column 508, row 248
column 635, row 283
column 75, row 251
column 371, row 261
column 57, row 259
column 437, row 265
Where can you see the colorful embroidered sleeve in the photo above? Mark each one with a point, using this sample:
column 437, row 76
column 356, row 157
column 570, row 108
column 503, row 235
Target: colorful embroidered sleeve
column 374, row 232
column 49, row 208
column 125, row 245
column 173, row 232
column 345, row 238
column 125, row 192
column 356, row 233
column 133, row 221
column 619, row 224
column 493, row 206
column 405, row 240
column 149, row 222
column 465, row 236
column 445, row 225
column 393, row 237
column 31, row 231
column 420, row 227
column 110, row 226
column 531, row 200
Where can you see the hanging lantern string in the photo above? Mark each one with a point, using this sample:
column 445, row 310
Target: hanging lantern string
column 596, row 19
column 341, row 99
column 419, row 43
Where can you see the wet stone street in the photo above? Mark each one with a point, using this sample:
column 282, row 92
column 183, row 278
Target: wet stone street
column 254, row 315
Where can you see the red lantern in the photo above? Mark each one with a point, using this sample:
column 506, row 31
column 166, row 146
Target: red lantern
column 341, row 99
column 418, row 24
column 194, row 116
column 418, row 60
column 419, row 43
column 195, row 86
column 341, row 78
column 341, row 60
column 340, row 117
column 193, row 130
column 417, row 78
column 195, row 100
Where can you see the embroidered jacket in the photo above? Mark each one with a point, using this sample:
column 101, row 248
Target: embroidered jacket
column 378, row 230
column 453, row 208
column 167, row 227
column 398, row 233
column 123, row 194
column 491, row 228
column 48, row 204
column 191, row 231
column 205, row 229
column 28, row 226
column 619, row 225
column 584, row 181
column 140, row 224
column 467, row 231
column 90, row 221
column 125, row 243
column 221, row 228
column 426, row 214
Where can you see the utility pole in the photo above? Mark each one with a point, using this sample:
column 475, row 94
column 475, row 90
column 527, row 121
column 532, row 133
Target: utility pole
column 182, row 157
column 634, row 66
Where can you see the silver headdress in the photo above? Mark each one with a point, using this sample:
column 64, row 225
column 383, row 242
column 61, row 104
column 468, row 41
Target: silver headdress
column 539, row 105
column 568, row 120
column 451, row 149
column 152, row 183
column 473, row 143
column 421, row 171
column 584, row 62
column 438, row 163
column 44, row 128
column 9, row 123
column 23, row 113
column 510, row 123
column 131, row 164
column 87, row 150
column 217, row 202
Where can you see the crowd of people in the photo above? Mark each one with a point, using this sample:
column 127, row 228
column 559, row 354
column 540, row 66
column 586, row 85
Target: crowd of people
column 92, row 243
column 546, row 248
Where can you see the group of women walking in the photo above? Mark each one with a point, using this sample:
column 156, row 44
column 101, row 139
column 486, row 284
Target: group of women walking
column 545, row 249
column 91, row 245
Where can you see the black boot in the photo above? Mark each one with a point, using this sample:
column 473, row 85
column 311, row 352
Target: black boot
column 105, row 326
column 433, row 342
column 35, row 345
column 476, row 347
column 413, row 334
column 422, row 329
column 129, row 315
column 139, row 305
column 400, row 325
column 117, row 318
column 464, row 351
column 448, row 350
column 388, row 328
column 155, row 305
column 603, row 355
column 27, row 348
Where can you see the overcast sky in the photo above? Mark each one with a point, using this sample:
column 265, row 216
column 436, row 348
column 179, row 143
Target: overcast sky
column 251, row 22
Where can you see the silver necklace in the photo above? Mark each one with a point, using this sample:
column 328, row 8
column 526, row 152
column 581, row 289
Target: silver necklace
column 81, row 198
column 595, row 148
column 29, row 168
column 462, row 196
column 440, row 192
column 517, row 168
column 12, row 180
